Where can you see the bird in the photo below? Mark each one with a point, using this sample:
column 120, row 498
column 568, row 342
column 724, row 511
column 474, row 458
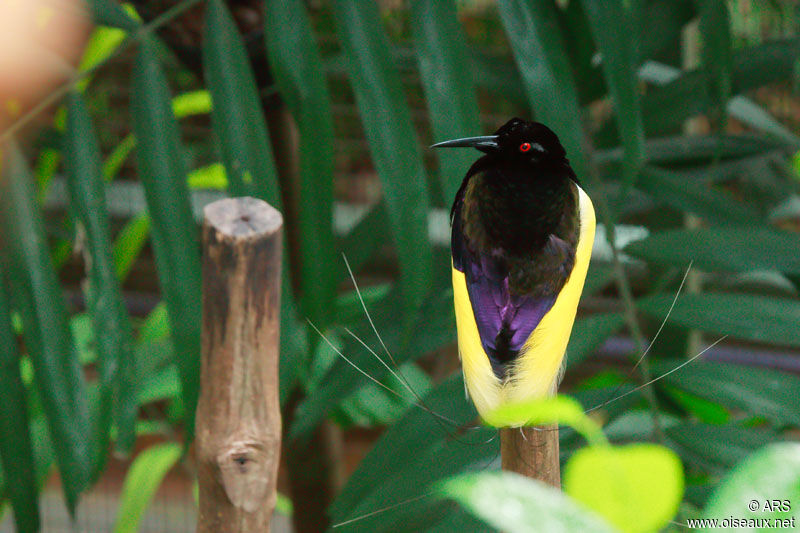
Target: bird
column 521, row 240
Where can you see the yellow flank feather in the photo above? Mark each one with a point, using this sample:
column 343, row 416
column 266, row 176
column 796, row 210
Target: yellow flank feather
column 535, row 373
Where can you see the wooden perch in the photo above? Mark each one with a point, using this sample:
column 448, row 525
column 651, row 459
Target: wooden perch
column 238, row 416
column 532, row 452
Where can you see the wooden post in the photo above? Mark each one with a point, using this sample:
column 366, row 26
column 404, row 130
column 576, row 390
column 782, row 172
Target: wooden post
column 238, row 416
column 532, row 452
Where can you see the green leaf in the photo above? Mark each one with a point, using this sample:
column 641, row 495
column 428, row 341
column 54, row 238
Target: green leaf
column 113, row 333
column 413, row 435
column 539, row 52
column 516, row 504
column 697, row 198
column 238, row 120
column 758, row 391
column 59, row 378
column 742, row 316
column 589, row 333
column 191, row 103
column 699, row 150
column 715, row 447
column 773, row 473
column 209, row 177
column 449, row 88
column 614, row 34
column 236, row 113
column 16, row 450
column 373, row 406
column 728, row 249
column 433, row 327
column 174, row 233
column 637, row 487
column 392, row 140
column 561, row 410
column 717, row 54
column 129, row 244
column 705, row 410
column 117, row 157
column 141, row 483
column 296, row 66
column 667, row 107
column 111, row 13
column 364, row 240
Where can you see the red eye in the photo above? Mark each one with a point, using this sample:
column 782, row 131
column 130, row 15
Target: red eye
column 524, row 147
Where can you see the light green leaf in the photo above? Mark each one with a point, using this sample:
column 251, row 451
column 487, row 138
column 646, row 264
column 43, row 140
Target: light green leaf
column 129, row 244
column 517, row 504
column 209, row 177
column 141, row 483
column 771, row 474
column 558, row 410
column 637, row 487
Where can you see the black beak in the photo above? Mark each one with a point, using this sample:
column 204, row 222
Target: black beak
column 484, row 143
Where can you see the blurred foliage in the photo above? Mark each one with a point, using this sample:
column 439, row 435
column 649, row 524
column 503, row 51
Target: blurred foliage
column 368, row 87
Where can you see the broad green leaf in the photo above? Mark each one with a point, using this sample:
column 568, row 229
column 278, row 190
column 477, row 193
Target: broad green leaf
column 729, row 249
column 416, row 479
column 174, row 233
column 589, row 333
column 141, row 483
column 715, row 447
column 772, row 473
column 393, row 142
column 517, row 504
column 611, row 24
column 60, row 382
column 449, row 88
column 637, row 487
column 560, row 410
column 743, row 316
column 413, row 435
column 113, row 333
column 129, row 244
column 16, row 450
column 716, row 207
column 758, row 391
column 538, row 47
column 295, row 63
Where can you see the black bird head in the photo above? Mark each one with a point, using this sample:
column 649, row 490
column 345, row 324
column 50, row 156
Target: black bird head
column 516, row 140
